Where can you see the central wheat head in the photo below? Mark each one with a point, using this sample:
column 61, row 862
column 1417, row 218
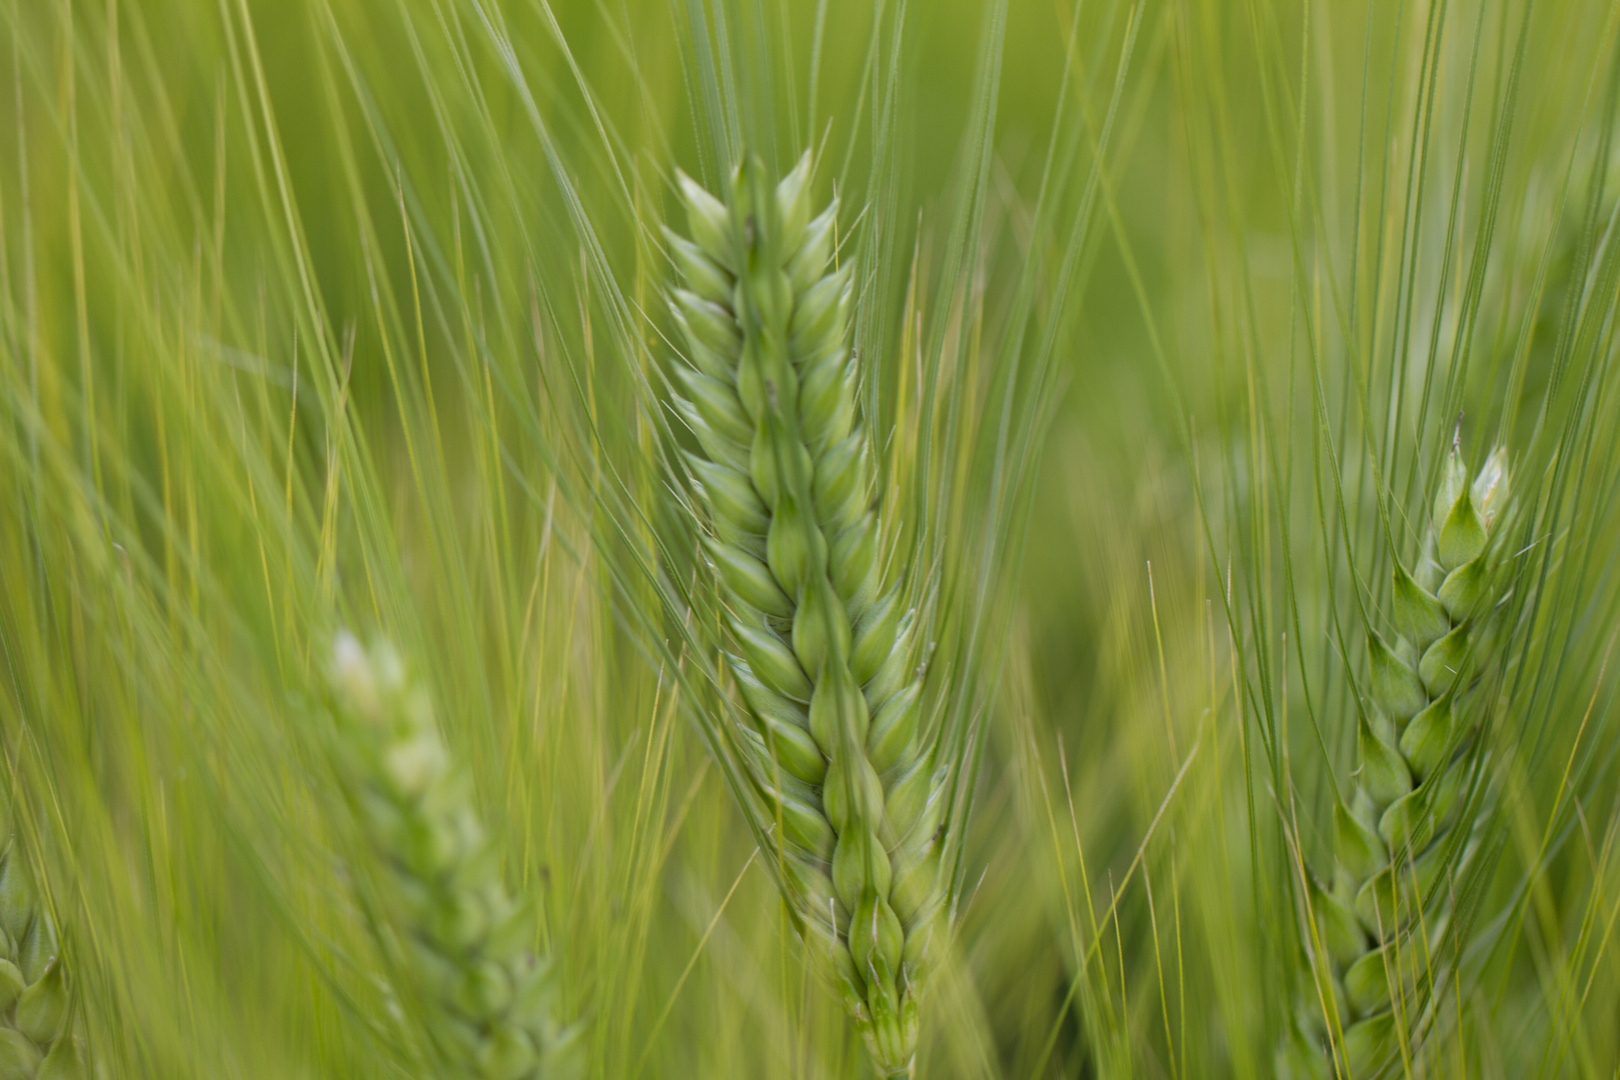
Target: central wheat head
column 486, row 1002
column 1377, row 930
column 824, row 648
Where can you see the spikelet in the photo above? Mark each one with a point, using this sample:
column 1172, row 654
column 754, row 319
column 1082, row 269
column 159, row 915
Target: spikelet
column 34, row 1043
column 479, row 996
column 1402, row 836
column 823, row 646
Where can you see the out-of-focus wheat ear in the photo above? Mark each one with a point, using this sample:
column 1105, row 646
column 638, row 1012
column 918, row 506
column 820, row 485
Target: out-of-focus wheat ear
column 1396, row 838
column 35, row 1043
column 823, row 644
column 478, row 994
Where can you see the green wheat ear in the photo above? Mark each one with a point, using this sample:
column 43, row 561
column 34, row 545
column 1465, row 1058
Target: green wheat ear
column 34, row 1044
column 477, row 993
column 823, row 648
column 1377, row 929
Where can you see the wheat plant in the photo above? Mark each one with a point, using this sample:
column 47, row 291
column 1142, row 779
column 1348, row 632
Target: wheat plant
column 1379, row 930
column 35, row 1011
column 824, row 645
column 477, row 994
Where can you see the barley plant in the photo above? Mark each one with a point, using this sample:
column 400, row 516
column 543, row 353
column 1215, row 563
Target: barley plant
column 483, row 1000
column 1381, row 926
column 968, row 540
column 35, row 1036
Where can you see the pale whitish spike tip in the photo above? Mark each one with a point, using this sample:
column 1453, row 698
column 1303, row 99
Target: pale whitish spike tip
column 1490, row 488
column 413, row 765
column 353, row 677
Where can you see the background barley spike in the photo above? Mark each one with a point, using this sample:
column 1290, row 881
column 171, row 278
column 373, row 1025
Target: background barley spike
column 34, row 1001
column 467, row 975
column 1378, row 927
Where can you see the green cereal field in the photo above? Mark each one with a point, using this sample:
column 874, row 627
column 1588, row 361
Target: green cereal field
column 809, row 539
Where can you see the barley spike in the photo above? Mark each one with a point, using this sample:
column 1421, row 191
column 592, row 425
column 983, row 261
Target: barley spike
column 482, row 1000
column 824, row 645
column 1377, row 924
column 34, row 1013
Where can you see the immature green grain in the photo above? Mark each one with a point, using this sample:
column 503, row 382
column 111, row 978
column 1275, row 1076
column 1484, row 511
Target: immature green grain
column 34, row 1044
column 824, row 648
column 1378, row 929
column 478, row 995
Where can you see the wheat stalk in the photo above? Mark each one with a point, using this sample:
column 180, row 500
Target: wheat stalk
column 482, row 999
column 1377, row 930
column 824, row 648
column 34, row 1044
